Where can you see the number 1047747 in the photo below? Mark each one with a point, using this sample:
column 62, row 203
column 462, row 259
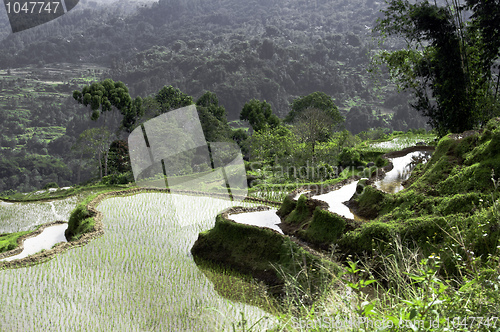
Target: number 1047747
column 33, row 7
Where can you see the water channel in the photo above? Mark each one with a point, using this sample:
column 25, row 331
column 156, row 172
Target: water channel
column 391, row 183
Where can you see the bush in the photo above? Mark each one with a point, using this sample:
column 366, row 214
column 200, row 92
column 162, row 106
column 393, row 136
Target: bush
column 116, row 179
column 80, row 222
column 349, row 157
column 50, row 185
column 380, row 162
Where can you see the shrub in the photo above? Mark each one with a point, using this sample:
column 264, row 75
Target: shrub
column 116, row 179
column 50, row 185
column 349, row 157
column 80, row 222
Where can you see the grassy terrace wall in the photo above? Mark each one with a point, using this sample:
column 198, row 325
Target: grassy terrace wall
column 261, row 252
column 85, row 224
column 449, row 199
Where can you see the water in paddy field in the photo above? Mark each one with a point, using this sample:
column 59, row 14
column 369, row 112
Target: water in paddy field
column 19, row 217
column 267, row 219
column 138, row 276
column 336, row 198
column 403, row 166
column 45, row 240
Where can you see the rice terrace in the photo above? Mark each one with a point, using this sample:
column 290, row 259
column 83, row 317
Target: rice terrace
column 248, row 166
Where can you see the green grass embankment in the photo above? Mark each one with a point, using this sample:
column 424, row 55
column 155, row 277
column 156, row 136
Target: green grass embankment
column 262, row 253
column 449, row 202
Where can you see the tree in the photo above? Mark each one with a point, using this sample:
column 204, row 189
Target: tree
column 108, row 94
column 210, row 101
column 447, row 61
column 96, row 142
column 314, row 125
column 273, row 146
column 213, row 118
column 259, row 114
column 315, row 117
column 170, row 98
column 316, row 100
column 119, row 158
column 103, row 95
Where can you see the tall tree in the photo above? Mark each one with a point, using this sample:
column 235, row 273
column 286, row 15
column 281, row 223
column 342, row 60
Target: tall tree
column 315, row 117
column 213, row 118
column 259, row 114
column 314, row 125
column 170, row 98
column 317, row 100
column 95, row 141
column 447, row 60
column 103, row 96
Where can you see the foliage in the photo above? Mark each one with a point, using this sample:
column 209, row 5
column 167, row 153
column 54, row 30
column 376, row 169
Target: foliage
column 8, row 241
column 51, row 185
column 315, row 125
column 316, row 100
column 80, row 221
column 349, row 157
column 270, row 145
column 259, row 114
column 213, row 118
column 446, row 63
column 96, row 141
column 170, row 98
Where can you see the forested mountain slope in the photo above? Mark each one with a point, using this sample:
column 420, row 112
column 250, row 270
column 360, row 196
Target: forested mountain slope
column 267, row 50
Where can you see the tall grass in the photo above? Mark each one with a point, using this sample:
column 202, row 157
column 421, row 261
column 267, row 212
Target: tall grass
column 401, row 291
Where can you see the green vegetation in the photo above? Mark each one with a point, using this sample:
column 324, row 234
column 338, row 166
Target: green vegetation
column 445, row 193
column 429, row 253
column 141, row 265
column 8, row 241
column 262, row 253
column 325, row 227
column 448, row 59
column 81, row 220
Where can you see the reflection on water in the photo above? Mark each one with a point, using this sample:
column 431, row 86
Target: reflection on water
column 45, row 240
column 391, row 183
column 267, row 218
column 336, row 198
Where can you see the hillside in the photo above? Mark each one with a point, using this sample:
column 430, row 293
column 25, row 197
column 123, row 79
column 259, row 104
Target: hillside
column 239, row 50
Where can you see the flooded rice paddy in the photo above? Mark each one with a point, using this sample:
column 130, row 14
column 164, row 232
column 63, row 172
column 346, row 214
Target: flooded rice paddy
column 391, row 183
column 139, row 276
column 267, row 219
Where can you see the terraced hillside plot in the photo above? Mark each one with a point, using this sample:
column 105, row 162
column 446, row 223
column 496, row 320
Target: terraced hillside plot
column 139, row 276
column 18, row 217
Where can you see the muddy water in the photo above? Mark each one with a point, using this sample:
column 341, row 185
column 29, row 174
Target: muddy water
column 267, row 219
column 403, row 166
column 45, row 240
